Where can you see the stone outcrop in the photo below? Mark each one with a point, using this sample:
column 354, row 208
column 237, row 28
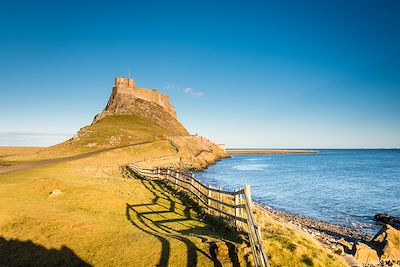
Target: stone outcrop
column 196, row 152
column 365, row 254
column 391, row 252
column 382, row 250
column 192, row 153
column 127, row 99
column 387, row 241
column 347, row 246
column 387, row 219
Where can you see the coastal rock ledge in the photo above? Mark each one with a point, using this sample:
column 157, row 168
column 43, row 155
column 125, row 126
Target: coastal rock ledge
column 387, row 242
column 382, row 250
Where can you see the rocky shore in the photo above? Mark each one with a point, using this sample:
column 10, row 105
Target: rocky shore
column 358, row 248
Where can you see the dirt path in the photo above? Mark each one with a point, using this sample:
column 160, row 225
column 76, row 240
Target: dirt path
column 24, row 166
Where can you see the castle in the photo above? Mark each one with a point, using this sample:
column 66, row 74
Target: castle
column 127, row 88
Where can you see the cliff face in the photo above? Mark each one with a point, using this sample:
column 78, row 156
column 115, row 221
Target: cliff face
column 127, row 99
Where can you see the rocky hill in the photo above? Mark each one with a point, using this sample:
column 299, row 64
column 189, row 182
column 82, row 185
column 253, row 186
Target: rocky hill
column 127, row 99
column 135, row 116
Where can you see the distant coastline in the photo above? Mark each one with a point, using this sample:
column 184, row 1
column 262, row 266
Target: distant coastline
column 246, row 151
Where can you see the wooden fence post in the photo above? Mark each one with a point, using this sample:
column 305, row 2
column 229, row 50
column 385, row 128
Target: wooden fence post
column 209, row 196
column 260, row 251
column 247, row 193
column 220, row 199
column 191, row 183
column 195, row 192
column 241, row 210
column 236, row 209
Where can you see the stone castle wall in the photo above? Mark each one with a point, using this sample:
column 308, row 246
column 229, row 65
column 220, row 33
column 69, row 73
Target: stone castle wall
column 128, row 88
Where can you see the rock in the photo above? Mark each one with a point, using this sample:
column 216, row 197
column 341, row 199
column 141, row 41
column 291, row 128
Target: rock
column 339, row 250
column 388, row 232
column 365, row 254
column 391, row 252
column 55, row 192
column 128, row 99
column 388, row 242
column 386, row 219
column 346, row 245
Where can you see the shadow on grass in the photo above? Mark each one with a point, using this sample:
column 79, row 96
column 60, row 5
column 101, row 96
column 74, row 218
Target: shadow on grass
column 14, row 252
column 158, row 217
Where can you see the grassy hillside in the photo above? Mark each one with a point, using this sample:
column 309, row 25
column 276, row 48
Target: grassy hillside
column 287, row 246
column 114, row 131
column 110, row 132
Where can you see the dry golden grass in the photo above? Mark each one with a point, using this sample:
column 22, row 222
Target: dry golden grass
column 287, row 246
column 15, row 150
column 8, row 155
column 108, row 133
column 111, row 131
column 105, row 219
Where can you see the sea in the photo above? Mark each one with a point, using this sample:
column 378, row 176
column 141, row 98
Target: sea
column 339, row 186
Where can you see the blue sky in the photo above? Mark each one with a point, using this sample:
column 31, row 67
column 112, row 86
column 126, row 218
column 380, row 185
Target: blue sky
column 274, row 74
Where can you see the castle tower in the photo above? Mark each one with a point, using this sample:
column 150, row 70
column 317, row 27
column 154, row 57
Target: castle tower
column 124, row 82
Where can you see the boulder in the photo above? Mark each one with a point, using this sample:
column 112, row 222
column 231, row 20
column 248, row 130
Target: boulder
column 391, row 252
column 347, row 247
column 387, row 240
column 386, row 219
column 387, row 233
column 365, row 254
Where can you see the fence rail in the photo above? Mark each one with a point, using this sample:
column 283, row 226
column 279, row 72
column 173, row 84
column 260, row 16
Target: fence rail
column 236, row 205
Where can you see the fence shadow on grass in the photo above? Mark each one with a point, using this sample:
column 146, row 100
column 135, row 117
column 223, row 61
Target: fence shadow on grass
column 162, row 213
column 15, row 252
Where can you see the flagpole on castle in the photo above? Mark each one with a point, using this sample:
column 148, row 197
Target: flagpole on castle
column 129, row 72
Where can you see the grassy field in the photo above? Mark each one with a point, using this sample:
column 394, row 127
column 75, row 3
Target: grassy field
column 97, row 216
column 86, row 212
column 9, row 155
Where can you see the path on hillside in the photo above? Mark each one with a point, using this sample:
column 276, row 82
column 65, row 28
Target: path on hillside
column 29, row 165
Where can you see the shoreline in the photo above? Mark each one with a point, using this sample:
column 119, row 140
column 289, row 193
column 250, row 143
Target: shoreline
column 354, row 246
column 331, row 236
column 317, row 228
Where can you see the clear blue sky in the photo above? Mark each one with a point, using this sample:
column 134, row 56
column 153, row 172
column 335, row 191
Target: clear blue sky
column 275, row 74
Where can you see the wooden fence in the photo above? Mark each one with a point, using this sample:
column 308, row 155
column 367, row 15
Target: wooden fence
column 236, row 205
